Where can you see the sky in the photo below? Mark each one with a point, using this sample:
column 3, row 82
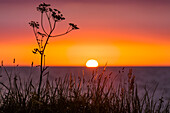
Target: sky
column 116, row 32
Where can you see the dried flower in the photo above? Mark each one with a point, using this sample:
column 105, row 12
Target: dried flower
column 58, row 16
column 73, row 26
column 43, row 7
column 35, row 51
column 34, row 24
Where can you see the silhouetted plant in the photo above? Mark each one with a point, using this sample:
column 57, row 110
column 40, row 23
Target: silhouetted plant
column 78, row 94
column 53, row 16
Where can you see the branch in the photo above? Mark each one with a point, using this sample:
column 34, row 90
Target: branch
column 48, row 20
column 55, row 21
column 46, row 42
column 54, row 26
column 4, row 86
column 41, row 43
column 54, row 36
column 36, row 37
column 62, row 33
column 42, row 24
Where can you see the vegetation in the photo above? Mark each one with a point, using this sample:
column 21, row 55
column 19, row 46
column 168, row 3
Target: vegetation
column 53, row 16
column 69, row 94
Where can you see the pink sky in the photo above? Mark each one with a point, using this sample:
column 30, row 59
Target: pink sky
column 117, row 32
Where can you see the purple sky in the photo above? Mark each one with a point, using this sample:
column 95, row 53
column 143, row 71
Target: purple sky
column 140, row 26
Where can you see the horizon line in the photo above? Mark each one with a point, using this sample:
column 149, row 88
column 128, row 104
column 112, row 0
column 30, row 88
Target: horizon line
column 90, row 67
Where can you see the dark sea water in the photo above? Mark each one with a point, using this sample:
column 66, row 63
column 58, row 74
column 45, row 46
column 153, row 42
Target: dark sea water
column 144, row 76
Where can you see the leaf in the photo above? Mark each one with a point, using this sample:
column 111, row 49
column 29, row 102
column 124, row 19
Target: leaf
column 41, row 34
column 34, row 52
column 36, row 49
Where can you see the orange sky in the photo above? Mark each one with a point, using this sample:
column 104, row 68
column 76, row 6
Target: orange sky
column 119, row 34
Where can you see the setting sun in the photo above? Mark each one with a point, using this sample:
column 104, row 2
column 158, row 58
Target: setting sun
column 91, row 63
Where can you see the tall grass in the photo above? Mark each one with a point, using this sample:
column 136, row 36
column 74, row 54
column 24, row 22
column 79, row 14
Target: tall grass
column 71, row 94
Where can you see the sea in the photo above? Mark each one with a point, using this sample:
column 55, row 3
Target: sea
column 145, row 77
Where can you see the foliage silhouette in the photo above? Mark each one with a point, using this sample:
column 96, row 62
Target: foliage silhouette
column 53, row 16
column 100, row 93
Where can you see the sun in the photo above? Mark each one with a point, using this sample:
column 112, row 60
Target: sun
column 91, row 63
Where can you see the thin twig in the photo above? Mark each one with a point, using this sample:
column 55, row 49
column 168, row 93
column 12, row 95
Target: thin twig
column 35, row 32
column 62, row 33
column 48, row 20
column 42, row 24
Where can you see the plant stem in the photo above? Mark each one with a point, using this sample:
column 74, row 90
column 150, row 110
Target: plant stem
column 41, row 73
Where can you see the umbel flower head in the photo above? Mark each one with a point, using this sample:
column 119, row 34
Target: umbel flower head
column 53, row 16
column 43, row 7
column 73, row 26
column 56, row 14
column 34, row 24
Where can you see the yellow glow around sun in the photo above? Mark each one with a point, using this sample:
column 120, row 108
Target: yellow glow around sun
column 91, row 63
